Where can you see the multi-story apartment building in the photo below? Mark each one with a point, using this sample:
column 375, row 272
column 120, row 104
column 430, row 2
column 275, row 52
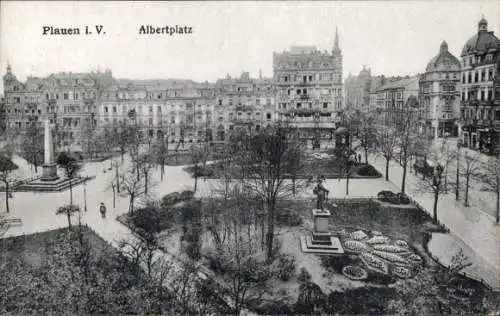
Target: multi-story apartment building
column 392, row 98
column 180, row 110
column 309, row 89
column 357, row 89
column 439, row 96
column 243, row 104
column 67, row 100
column 480, row 108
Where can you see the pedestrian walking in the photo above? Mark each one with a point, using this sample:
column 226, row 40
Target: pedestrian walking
column 102, row 209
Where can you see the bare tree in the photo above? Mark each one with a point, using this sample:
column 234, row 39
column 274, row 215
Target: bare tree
column 469, row 168
column 387, row 139
column 6, row 168
column 68, row 210
column 438, row 154
column 89, row 138
column 161, row 152
column 199, row 155
column 407, row 138
column 492, row 182
column 132, row 187
column 366, row 131
column 145, row 162
column 265, row 159
column 71, row 169
column 32, row 145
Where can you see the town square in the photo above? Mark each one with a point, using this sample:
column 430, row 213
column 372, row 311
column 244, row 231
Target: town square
column 268, row 180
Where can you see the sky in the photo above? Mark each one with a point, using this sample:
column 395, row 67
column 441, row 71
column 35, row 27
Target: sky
column 390, row 37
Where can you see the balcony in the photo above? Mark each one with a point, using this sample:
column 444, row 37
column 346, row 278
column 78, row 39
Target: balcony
column 304, row 97
column 244, row 108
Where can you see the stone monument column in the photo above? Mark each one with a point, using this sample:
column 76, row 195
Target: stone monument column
column 49, row 168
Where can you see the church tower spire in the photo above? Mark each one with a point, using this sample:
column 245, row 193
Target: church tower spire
column 336, row 46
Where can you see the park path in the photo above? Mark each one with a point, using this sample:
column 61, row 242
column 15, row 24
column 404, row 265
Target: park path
column 471, row 225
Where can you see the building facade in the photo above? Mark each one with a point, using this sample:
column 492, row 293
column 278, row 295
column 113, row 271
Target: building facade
column 309, row 89
column 392, row 97
column 243, row 104
column 68, row 100
column 439, row 96
column 357, row 90
column 480, row 108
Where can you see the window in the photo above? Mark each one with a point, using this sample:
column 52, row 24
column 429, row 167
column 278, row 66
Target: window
column 490, row 95
column 65, row 96
column 325, row 105
column 268, row 116
column 286, row 78
column 490, row 74
column 299, row 105
column 482, row 95
column 483, row 75
column 469, row 78
column 114, row 109
column 310, row 78
column 105, row 109
column 476, row 77
column 76, row 96
column 298, row 91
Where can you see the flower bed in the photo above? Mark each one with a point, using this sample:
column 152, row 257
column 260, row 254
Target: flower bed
column 393, row 258
column 389, row 248
column 414, row 258
column 374, row 263
column 354, row 272
column 402, row 244
column 378, row 240
column 401, row 272
column 355, row 246
column 358, row 235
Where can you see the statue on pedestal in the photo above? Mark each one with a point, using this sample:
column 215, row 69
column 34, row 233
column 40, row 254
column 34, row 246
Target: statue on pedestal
column 321, row 194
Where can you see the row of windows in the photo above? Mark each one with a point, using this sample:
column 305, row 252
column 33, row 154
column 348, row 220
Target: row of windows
column 479, row 94
column 309, row 78
column 471, row 60
column 477, row 76
column 479, row 114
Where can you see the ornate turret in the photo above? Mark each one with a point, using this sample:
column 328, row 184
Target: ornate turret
column 336, row 47
column 482, row 25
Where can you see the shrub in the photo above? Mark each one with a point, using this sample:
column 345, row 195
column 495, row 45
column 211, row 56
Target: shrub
column 200, row 172
column 147, row 219
column 403, row 198
column 354, row 272
column 368, row 171
column 170, row 199
column 186, row 195
column 286, row 266
column 304, row 276
column 288, row 217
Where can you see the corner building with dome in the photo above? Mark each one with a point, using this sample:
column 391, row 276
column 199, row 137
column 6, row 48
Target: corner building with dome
column 439, row 95
column 479, row 90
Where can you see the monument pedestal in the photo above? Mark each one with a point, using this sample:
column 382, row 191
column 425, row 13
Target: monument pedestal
column 49, row 172
column 321, row 241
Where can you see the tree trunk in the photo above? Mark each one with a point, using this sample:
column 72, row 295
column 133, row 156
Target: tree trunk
column 347, row 184
column 366, row 154
column 270, row 230
column 70, row 192
column 69, row 219
column 435, row 208
column 467, row 177
column 195, row 177
column 162, row 170
column 122, row 152
column 387, row 169
column 117, row 179
column 457, row 188
column 7, row 197
column 145, row 183
column 131, row 205
column 403, row 182
column 498, row 200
